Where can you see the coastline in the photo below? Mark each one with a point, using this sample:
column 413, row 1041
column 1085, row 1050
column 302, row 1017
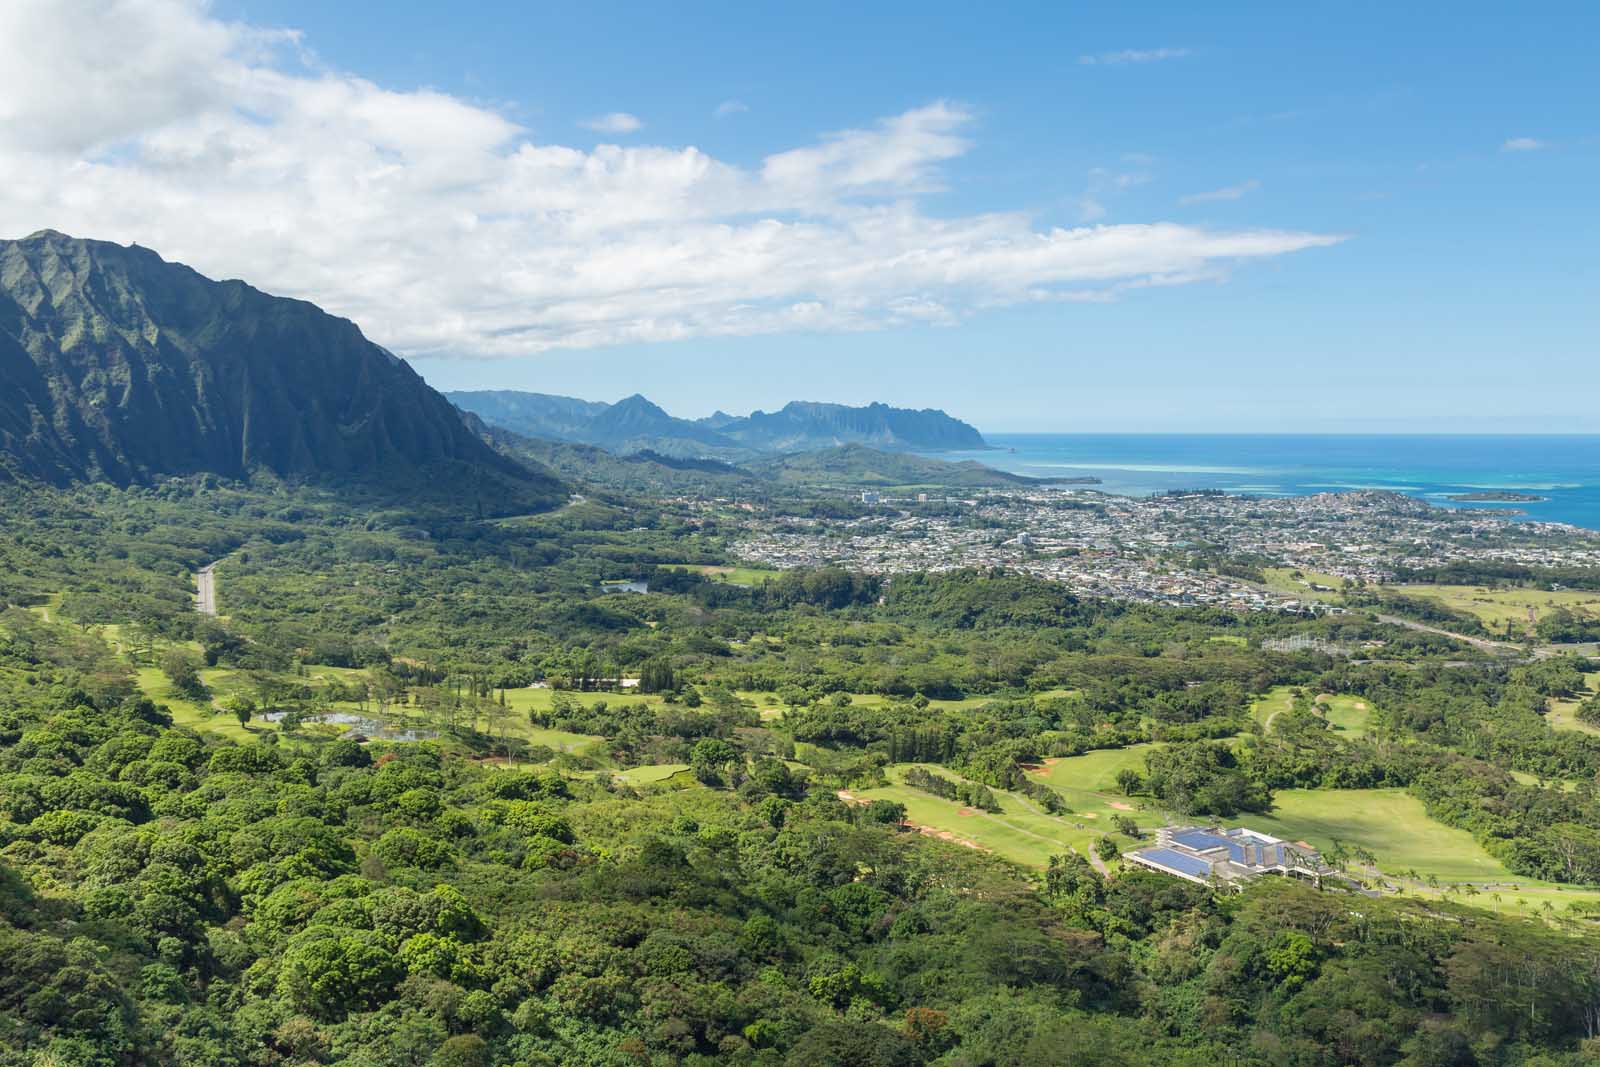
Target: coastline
column 1561, row 471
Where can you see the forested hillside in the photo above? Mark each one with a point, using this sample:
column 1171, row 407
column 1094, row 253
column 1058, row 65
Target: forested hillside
column 394, row 806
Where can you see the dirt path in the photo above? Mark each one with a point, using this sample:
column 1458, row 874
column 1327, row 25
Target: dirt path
column 205, row 590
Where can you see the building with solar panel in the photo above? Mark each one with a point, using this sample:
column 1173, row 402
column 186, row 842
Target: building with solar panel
column 1212, row 855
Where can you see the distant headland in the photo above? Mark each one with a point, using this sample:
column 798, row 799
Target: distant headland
column 1496, row 496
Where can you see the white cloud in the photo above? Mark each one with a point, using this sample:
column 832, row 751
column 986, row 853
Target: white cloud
column 615, row 122
column 1227, row 192
column 731, row 107
column 1522, row 144
column 898, row 155
column 446, row 229
column 1133, row 55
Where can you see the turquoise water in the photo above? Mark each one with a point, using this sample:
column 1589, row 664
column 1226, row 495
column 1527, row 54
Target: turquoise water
column 1564, row 470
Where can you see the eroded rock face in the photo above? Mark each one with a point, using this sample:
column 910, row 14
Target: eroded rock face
column 118, row 366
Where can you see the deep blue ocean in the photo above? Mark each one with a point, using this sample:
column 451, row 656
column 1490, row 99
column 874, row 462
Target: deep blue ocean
column 1564, row 470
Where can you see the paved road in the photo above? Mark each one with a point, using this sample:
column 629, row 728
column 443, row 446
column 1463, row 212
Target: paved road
column 205, row 590
column 1497, row 647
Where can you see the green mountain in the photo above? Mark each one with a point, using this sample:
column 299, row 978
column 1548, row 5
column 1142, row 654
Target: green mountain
column 532, row 414
column 804, row 425
column 848, row 466
column 635, row 424
column 118, row 366
column 645, row 472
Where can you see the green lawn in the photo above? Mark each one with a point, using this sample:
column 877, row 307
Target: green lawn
column 771, row 708
column 1389, row 822
column 1020, row 832
column 1283, row 580
column 192, row 714
column 1563, row 714
column 1566, row 785
column 1497, row 607
column 526, row 700
column 560, row 740
column 1348, row 715
column 1024, row 836
column 1096, row 772
column 654, row 774
column 1392, row 824
column 734, row 575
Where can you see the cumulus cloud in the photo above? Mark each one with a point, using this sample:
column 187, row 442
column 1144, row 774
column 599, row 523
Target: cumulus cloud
column 446, row 229
column 1227, row 192
column 1522, row 144
column 1132, row 55
column 731, row 107
column 615, row 122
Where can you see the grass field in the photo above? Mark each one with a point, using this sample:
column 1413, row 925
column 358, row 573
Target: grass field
column 1283, row 580
column 1389, row 822
column 1496, row 607
column 1394, row 827
column 771, row 708
column 1348, row 715
column 192, row 714
column 1096, row 772
column 654, row 774
column 526, row 700
column 1563, row 714
column 560, row 740
column 1020, row 832
column 732, row 575
column 1566, row 785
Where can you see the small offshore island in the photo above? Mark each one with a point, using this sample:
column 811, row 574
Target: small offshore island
column 1498, row 496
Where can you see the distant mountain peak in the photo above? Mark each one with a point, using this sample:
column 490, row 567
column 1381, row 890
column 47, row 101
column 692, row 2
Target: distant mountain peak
column 636, row 423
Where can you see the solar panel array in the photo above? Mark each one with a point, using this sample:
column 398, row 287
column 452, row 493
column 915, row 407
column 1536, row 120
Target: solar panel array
column 1202, row 840
column 1177, row 861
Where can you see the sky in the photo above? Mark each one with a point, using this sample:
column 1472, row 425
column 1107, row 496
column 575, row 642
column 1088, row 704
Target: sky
column 1038, row 217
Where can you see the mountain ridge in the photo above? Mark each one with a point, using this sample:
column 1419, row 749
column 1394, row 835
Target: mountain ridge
column 119, row 366
column 636, row 424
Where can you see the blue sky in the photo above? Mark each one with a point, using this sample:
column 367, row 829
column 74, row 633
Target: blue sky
column 1415, row 183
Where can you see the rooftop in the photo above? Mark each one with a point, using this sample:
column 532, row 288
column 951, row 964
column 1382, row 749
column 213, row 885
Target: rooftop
column 1210, row 853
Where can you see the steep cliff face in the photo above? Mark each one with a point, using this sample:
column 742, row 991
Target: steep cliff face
column 118, row 366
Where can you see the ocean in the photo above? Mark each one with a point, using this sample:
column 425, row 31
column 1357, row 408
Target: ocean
column 1562, row 470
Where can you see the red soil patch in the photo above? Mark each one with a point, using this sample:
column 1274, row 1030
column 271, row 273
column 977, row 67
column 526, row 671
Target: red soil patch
column 966, row 811
column 946, row 835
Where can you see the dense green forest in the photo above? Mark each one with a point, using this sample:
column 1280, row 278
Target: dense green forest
column 200, row 863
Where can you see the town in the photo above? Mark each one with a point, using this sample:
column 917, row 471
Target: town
column 1198, row 548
